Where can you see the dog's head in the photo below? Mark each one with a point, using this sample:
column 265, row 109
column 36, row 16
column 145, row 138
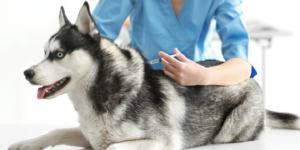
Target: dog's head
column 68, row 55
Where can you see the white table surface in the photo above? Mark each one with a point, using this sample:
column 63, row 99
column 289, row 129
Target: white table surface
column 275, row 140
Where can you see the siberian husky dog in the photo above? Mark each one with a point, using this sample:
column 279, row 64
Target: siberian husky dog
column 123, row 104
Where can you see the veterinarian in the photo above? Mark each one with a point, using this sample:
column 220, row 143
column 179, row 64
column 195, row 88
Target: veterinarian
column 165, row 25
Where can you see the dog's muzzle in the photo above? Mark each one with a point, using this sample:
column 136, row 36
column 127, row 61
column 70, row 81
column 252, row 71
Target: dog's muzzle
column 29, row 73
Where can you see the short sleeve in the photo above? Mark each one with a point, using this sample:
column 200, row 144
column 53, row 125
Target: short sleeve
column 109, row 16
column 231, row 30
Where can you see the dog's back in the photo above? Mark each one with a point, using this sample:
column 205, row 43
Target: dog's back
column 201, row 114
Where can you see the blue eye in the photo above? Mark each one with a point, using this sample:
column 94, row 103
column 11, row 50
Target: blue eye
column 60, row 55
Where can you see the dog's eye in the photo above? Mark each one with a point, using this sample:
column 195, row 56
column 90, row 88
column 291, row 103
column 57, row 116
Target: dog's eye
column 60, row 55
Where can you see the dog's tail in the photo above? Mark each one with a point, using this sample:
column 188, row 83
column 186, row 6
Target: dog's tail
column 282, row 120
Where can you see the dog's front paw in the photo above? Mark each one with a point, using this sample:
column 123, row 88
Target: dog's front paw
column 28, row 145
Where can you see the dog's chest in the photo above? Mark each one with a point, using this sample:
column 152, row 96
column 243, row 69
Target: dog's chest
column 102, row 130
column 97, row 132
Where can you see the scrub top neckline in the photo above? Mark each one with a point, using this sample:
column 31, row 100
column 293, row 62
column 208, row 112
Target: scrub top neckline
column 174, row 21
column 179, row 11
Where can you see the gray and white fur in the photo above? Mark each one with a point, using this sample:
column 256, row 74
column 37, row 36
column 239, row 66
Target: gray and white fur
column 123, row 104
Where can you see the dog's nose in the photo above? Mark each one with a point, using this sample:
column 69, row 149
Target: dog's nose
column 29, row 73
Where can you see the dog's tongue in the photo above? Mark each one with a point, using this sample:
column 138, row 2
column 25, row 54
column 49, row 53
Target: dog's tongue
column 42, row 91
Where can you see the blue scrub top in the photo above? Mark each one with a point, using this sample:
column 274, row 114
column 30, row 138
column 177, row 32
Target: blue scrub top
column 154, row 27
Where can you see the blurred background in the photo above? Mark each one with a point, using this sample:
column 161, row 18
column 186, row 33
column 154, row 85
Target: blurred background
column 25, row 26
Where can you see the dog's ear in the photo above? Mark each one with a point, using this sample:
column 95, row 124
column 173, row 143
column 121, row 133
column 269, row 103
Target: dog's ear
column 85, row 22
column 63, row 20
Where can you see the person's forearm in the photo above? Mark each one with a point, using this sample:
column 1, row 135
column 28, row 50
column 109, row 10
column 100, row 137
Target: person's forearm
column 188, row 73
column 231, row 72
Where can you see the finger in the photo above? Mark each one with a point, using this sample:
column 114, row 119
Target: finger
column 169, row 67
column 169, row 74
column 164, row 62
column 180, row 56
column 170, row 59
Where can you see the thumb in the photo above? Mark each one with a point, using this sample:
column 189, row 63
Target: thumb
column 180, row 56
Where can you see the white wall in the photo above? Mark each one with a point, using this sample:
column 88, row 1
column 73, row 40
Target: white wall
column 282, row 60
column 25, row 26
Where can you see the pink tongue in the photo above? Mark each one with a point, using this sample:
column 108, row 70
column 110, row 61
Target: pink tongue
column 42, row 91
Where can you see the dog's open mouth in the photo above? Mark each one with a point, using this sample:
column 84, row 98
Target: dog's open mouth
column 46, row 91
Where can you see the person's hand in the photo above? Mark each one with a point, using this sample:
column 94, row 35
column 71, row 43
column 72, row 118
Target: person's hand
column 185, row 72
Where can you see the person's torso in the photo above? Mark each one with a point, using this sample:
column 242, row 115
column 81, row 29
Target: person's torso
column 155, row 27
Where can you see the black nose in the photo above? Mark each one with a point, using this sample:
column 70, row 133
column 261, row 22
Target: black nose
column 29, row 73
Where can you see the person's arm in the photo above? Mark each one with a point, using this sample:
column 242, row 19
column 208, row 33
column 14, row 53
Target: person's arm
column 188, row 73
column 109, row 16
column 232, row 71
column 235, row 41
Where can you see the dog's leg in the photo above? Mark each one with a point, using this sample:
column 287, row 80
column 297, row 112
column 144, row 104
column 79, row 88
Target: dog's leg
column 72, row 137
column 246, row 122
column 140, row 145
